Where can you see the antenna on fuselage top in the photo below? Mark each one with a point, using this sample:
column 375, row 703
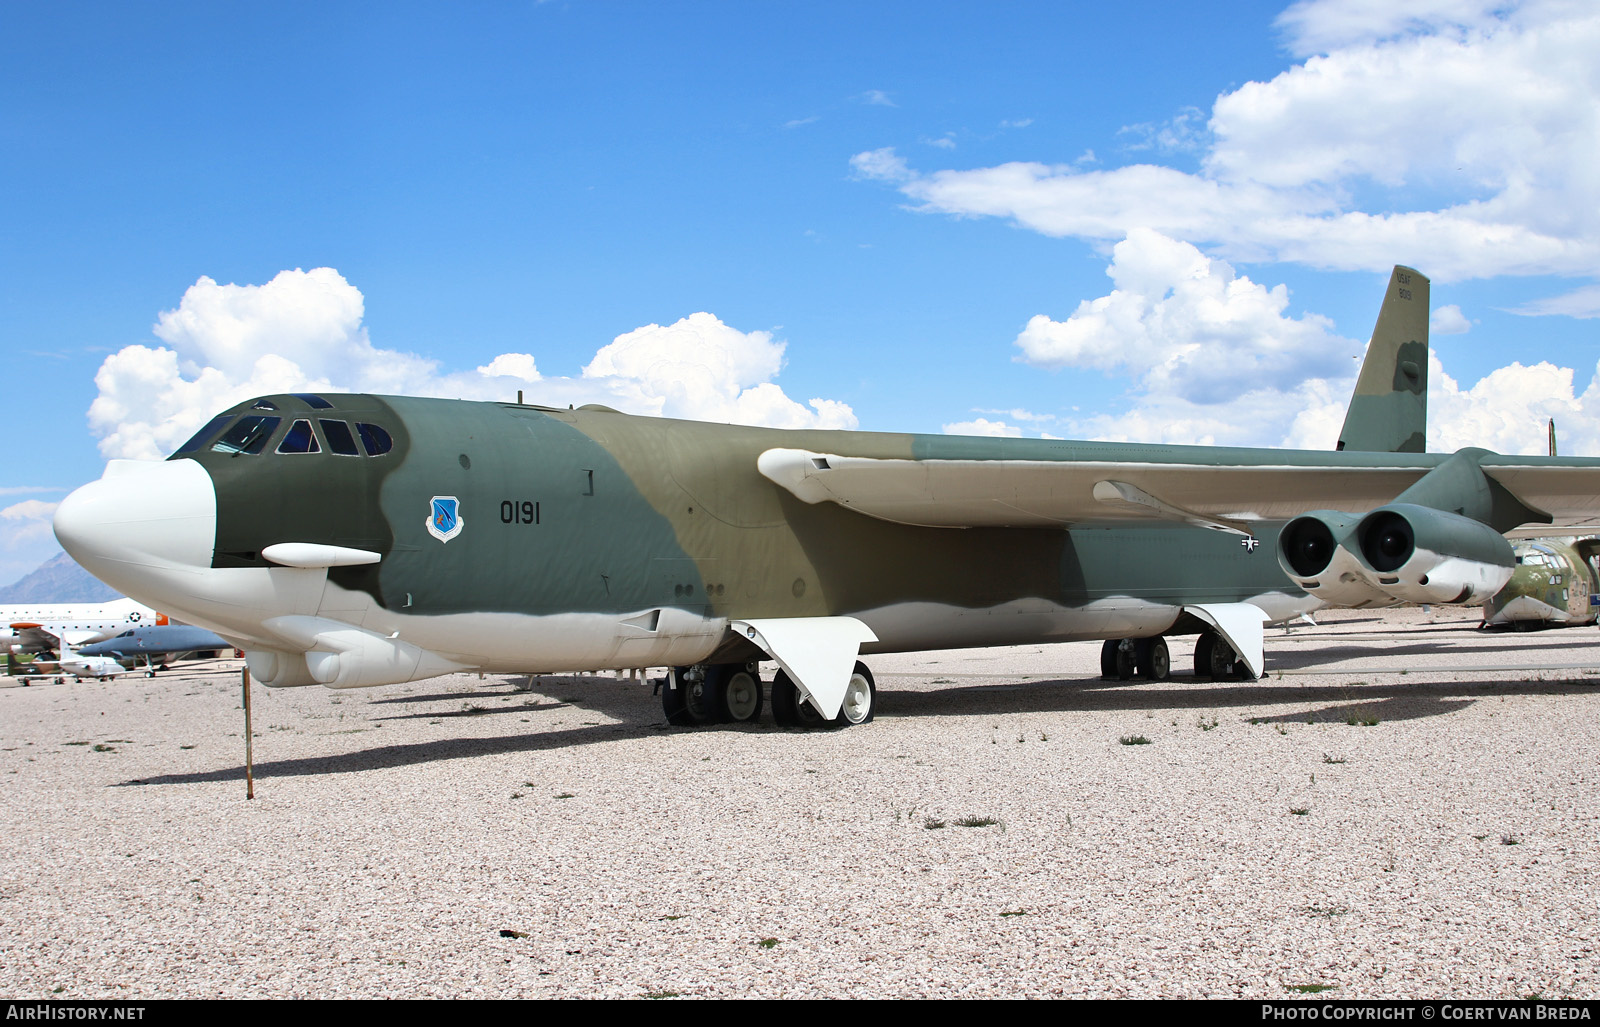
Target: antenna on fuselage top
column 1552, row 436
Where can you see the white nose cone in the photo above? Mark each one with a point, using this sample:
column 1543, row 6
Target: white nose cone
column 141, row 518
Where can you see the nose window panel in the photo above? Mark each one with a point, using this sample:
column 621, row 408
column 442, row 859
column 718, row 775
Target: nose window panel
column 299, row 439
column 202, row 436
column 375, row 439
column 248, row 435
column 312, row 400
column 339, row 438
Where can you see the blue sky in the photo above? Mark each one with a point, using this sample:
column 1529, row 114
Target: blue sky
column 1150, row 221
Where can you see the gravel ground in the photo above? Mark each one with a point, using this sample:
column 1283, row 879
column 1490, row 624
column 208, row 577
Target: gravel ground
column 1404, row 807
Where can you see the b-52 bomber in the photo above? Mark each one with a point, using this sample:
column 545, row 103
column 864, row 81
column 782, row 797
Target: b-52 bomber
column 355, row 540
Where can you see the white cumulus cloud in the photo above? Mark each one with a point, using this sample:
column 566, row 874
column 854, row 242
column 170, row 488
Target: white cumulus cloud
column 303, row 331
column 984, row 426
column 1186, row 325
column 1448, row 320
column 1457, row 137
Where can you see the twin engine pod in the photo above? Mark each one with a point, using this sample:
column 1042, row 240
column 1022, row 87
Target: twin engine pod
column 1400, row 553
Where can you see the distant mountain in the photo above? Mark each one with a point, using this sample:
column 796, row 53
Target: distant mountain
column 59, row 580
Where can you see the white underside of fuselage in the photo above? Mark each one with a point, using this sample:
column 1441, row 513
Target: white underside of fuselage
column 287, row 613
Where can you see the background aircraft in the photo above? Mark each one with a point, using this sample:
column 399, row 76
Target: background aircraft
column 511, row 538
column 45, row 627
column 1556, row 583
column 157, row 641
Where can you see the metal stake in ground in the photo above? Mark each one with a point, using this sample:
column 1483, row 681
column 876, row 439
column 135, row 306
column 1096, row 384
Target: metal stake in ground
column 249, row 756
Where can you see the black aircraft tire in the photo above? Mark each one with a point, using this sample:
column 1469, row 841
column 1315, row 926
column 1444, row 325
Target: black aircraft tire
column 1125, row 661
column 1202, row 654
column 1108, row 658
column 789, row 709
column 740, row 697
column 703, row 699
column 860, row 698
column 783, row 697
column 1155, row 659
column 1224, row 662
column 672, row 698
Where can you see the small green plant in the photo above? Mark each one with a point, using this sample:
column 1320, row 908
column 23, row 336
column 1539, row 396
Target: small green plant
column 1207, row 725
column 1013, row 912
column 1510, row 839
column 1300, row 811
column 566, row 795
column 1281, row 729
column 1311, row 989
column 1332, row 759
column 660, row 994
column 1361, row 720
column 1136, row 739
column 976, row 822
column 932, row 825
column 767, row 943
column 507, row 932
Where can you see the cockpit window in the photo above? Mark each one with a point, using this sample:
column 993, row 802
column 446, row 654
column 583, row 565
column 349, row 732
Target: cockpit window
column 263, row 404
column 248, row 435
column 339, row 438
column 204, row 434
column 299, row 439
column 375, row 439
column 312, row 400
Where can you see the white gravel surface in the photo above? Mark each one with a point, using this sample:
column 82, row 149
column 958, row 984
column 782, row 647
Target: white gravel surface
column 1269, row 836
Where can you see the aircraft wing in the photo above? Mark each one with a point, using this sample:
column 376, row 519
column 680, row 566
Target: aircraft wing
column 33, row 636
column 972, row 493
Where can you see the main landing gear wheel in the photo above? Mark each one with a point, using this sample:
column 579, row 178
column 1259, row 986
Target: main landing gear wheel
column 860, row 698
column 789, row 709
column 1214, row 658
column 740, row 696
column 1153, row 658
column 702, row 697
column 1118, row 659
column 673, row 698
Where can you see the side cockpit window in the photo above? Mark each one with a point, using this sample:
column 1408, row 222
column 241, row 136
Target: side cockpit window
column 299, row 439
column 204, row 435
column 339, row 438
column 248, row 435
column 312, row 400
column 375, row 439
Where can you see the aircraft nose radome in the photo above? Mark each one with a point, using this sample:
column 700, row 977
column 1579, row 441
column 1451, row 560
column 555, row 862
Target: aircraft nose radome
column 140, row 516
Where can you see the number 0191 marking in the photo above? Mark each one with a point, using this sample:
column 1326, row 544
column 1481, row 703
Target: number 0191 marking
column 514, row 512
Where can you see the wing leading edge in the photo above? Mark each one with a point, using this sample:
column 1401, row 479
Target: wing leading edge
column 970, row 493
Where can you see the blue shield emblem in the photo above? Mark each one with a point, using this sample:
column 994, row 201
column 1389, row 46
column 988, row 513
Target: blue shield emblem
column 444, row 518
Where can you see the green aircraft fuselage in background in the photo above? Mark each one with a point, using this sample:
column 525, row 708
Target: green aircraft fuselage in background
column 356, row 540
column 1556, row 583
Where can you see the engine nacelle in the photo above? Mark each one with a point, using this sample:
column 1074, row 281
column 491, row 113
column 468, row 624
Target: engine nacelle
column 1397, row 553
column 1423, row 555
column 1315, row 550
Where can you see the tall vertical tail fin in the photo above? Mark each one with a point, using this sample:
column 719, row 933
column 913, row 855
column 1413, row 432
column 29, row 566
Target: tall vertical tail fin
column 1389, row 411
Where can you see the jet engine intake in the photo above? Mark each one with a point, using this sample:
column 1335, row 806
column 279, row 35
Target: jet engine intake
column 1316, row 550
column 1422, row 555
column 1400, row 553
